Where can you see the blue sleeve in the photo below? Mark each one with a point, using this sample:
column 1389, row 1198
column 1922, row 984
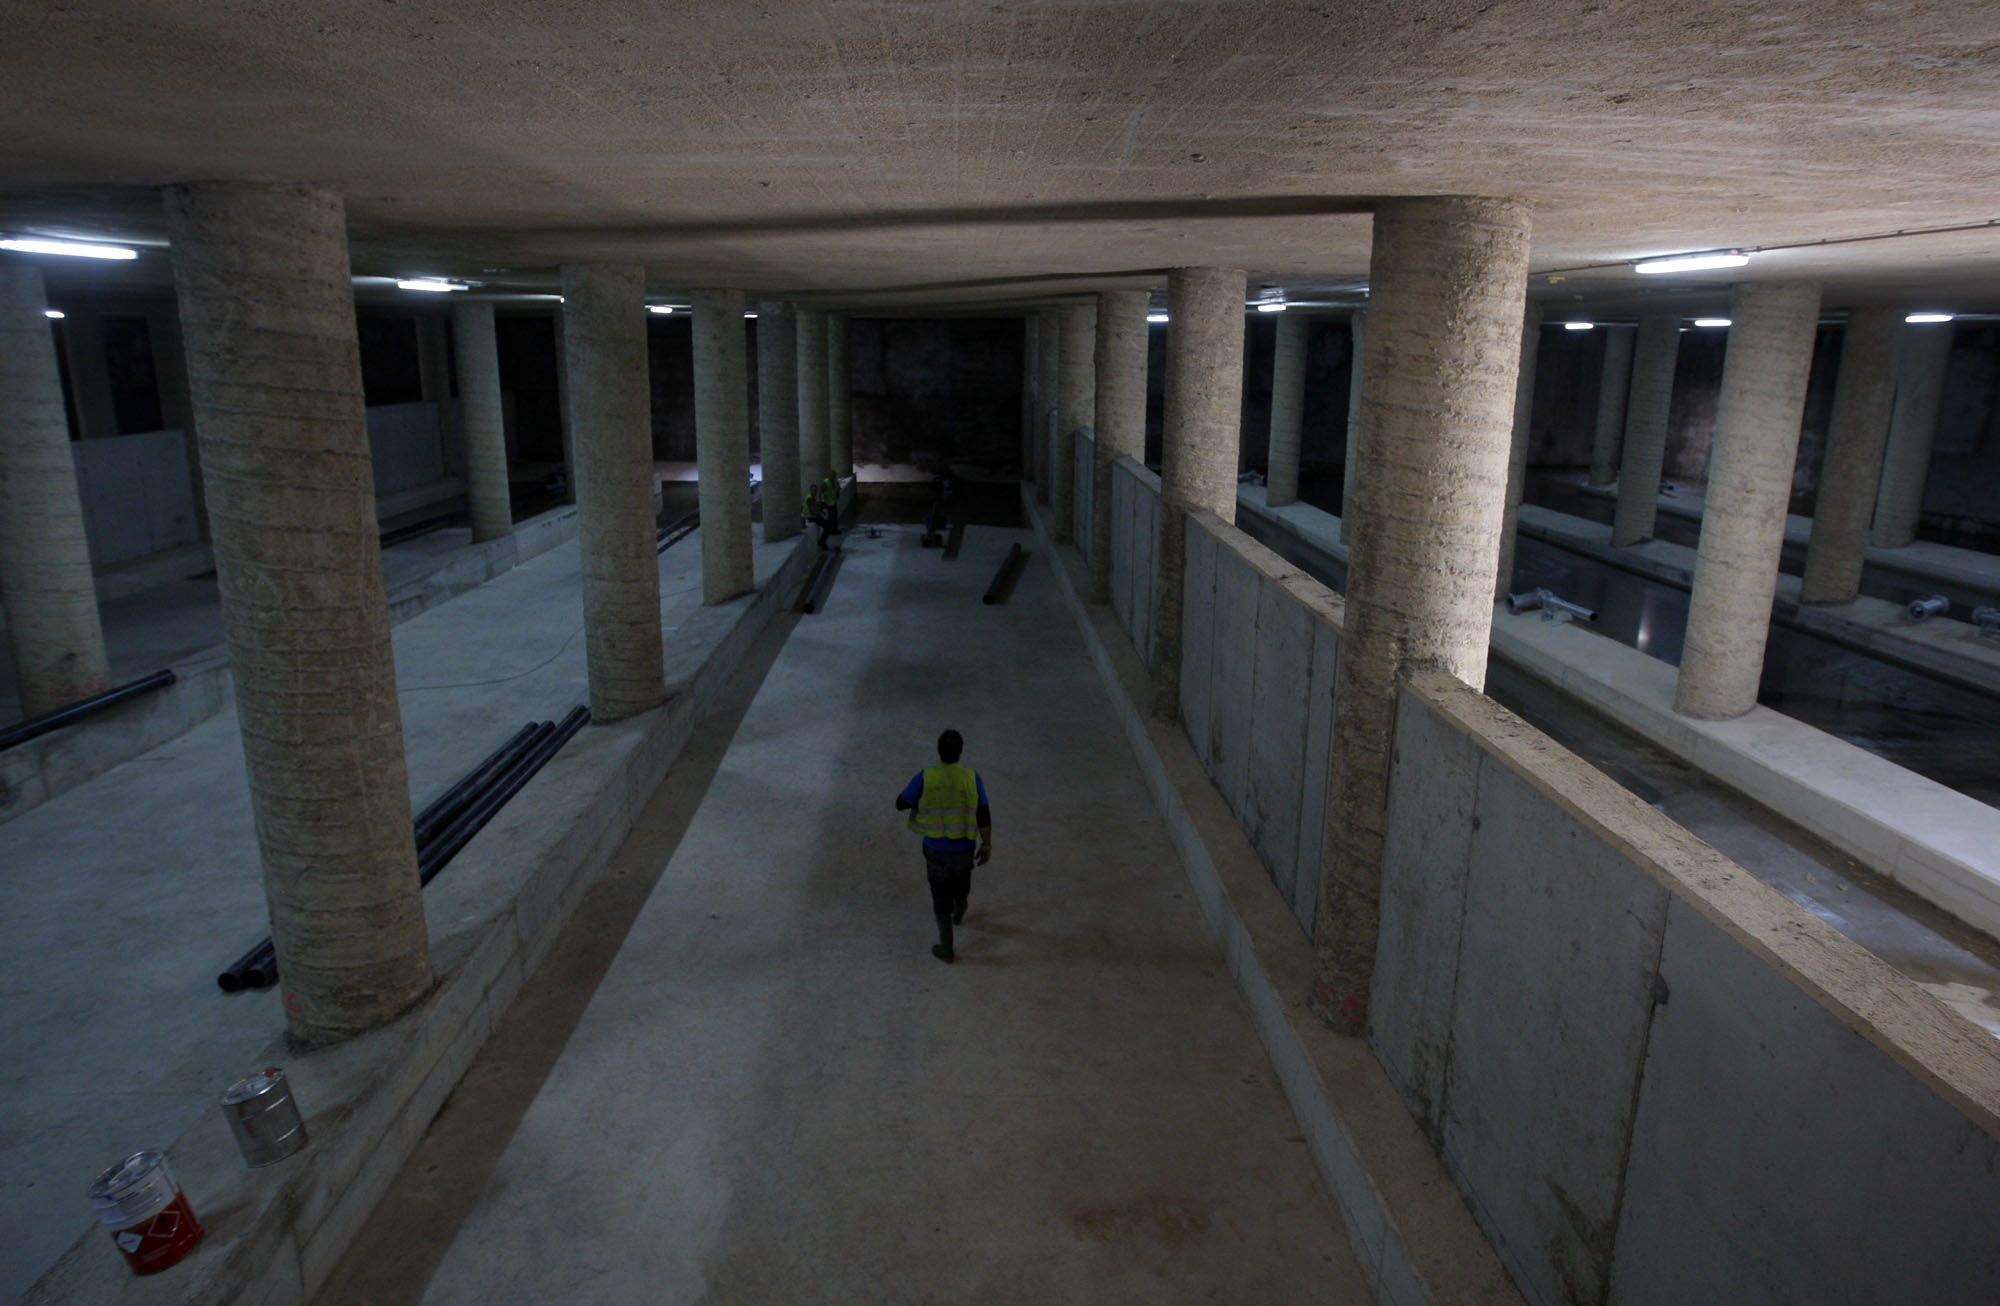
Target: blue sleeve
column 913, row 790
column 980, row 780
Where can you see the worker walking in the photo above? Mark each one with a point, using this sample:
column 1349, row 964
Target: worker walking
column 947, row 805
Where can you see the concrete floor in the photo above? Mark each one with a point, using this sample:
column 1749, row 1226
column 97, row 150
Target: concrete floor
column 772, row 1092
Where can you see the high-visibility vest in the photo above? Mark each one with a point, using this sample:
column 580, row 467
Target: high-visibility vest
column 948, row 808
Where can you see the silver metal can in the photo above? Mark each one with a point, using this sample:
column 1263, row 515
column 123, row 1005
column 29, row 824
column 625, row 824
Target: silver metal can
column 264, row 1116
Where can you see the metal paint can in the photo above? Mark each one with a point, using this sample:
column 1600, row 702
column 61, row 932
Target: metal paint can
column 264, row 1116
column 146, row 1212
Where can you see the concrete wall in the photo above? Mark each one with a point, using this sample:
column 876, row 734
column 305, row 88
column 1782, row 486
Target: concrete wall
column 1260, row 644
column 406, row 446
column 138, row 498
column 1135, row 533
column 1654, row 1079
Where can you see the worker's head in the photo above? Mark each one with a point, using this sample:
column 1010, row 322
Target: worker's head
column 950, row 745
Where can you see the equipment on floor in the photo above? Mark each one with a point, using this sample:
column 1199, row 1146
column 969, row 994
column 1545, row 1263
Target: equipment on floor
column 820, row 583
column 1931, row 605
column 1003, row 580
column 1987, row 622
column 447, row 823
column 34, row 727
column 264, row 1117
column 1552, row 606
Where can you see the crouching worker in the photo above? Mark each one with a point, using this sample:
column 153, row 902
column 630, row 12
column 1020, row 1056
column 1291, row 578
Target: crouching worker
column 947, row 805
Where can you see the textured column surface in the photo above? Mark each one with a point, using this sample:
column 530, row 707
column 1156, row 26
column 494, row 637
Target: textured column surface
column 1655, row 351
column 1076, row 403
column 1517, row 460
column 722, row 443
column 1864, row 391
column 46, row 585
column 1749, row 490
column 1121, row 415
column 567, row 435
column 1045, row 419
column 839, row 397
column 1200, row 442
column 611, row 430
column 163, row 335
column 1357, row 326
column 479, row 406
column 1031, row 376
column 778, row 417
column 814, row 457
column 1612, row 383
column 267, row 312
column 1906, row 463
column 1444, row 346
column 1288, row 401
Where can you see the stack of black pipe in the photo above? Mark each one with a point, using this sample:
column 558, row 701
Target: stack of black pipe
column 35, row 727
column 447, row 824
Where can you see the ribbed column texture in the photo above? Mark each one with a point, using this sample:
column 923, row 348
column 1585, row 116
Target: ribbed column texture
column 1288, row 401
column 479, row 404
column 1076, row 403
column 839, row 397
column 1357, row 326
column 722, row 443
column 814, row 457
column 1614, row 379
column 1121, row 415
column 1906, row 463
column 778, row 418
column 1045, row 420
column 1517, row 460
column 1864, row 392
column 1655, row 352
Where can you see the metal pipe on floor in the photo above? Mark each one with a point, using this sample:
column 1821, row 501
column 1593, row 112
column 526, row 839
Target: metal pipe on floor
column 1931, row 605
column 1003, row 580
column 445, row 845
column 447, row 804
column 35, row 727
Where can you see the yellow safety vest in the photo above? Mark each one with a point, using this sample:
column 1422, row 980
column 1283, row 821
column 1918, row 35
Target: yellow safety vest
column 948, row 808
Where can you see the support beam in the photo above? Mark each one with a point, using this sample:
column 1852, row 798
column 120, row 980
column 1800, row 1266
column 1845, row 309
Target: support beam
column 1655, row 352
column 1288, row 399
column 722, row 443
column 46, row 586
column 1614, row 381
column 1202, row 436
column 1357, row 327
column 778, row 417
column 611, row 432
column 1906, row 464
column 1749, row 492
column 267, row 313
column 839, row 397
column 814, row 456
column 1444, row 347
column 1076, row 404
column 1864, row 393
column 1517, row 461
column 480, row 412
column 1121, row 415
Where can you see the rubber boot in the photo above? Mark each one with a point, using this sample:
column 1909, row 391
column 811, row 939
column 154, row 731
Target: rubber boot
column 942, row 948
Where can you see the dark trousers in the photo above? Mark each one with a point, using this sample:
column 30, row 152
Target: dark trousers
column 950, row 875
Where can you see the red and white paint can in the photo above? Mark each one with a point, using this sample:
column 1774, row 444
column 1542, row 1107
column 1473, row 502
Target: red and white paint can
column 146, row 1212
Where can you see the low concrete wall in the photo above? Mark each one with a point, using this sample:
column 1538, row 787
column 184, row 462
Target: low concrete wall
column 1135, row 533
column 1260, row 644
column 138, row 496
column 1655, row 1079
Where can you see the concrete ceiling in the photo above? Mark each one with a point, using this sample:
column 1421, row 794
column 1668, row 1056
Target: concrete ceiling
column 911, row 152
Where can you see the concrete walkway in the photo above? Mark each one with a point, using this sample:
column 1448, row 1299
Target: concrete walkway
column 775, row 1093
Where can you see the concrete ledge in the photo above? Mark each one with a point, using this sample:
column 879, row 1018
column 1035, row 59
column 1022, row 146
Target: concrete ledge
column 1409, row 1228
column 273, row 1235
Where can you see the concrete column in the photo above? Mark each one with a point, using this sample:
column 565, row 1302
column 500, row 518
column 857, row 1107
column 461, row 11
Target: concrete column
column 778, row 417
column 480, row 409
column 89, row 375
column 563, row 428
column 839, row 397
column 1517, row 461
column 1045, row 422
column 1076, row 403
column 814, row 457
column 1288, row 401
column 267, row 312
column 1612, row 385
column 1906, row 464
column 1121, row 415
column 1202, row 435
column 1031, row 375
column 434, row 387
column 1864, row 392
column 1357, row 326
column 722, row 443
column 611, row 433
column 46, row 585
column 163, row 334
column 1749, row 490
column 1656, row 349
column 1444, row 346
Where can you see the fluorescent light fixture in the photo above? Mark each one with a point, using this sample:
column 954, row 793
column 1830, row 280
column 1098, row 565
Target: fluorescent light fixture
column 430, row 285
column 70, row 248
column 1692, row 262
column 1578, row 326
column 1711, row 321
column 54, row 314
column 1156, row 317
column 661, row 309
column 1921, row 318
column 1270, row 308
column 749, row 314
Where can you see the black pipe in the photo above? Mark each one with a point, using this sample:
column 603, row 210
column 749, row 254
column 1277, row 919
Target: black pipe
column 1003, row 580
column 448, row 845
column 821, row 584
column 255, row 969
column 954, row 540
column 447, row 804
column 35, row 727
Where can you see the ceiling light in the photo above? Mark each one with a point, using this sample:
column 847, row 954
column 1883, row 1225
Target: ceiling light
column 1928, row 317
column 749, row 314
column 54, row 313
column 1578, row 326
column 661, row 309
column 1270, row 308
column 430, row 285
column 72, row 248
column 1156, row 317
column 1711, row 321
column 1692, row 262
